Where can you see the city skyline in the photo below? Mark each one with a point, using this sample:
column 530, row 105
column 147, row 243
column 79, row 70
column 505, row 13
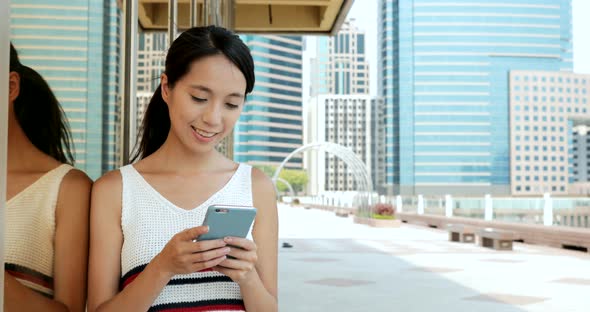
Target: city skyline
column 365, row 14
column 444, row 77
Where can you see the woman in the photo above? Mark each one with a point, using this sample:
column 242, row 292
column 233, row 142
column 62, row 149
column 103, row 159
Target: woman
column 145, row 217
column 46, row 236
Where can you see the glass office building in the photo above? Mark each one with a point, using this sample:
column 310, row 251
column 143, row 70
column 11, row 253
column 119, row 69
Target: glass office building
column 74, row 44
column 270, row 127
column 444, row 75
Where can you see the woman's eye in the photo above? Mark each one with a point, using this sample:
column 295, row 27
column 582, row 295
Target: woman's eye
column 200, row 100
column 232, row 106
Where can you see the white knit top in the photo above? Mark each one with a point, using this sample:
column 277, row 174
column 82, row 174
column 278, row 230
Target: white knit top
column 149, row 221
column 30, row 232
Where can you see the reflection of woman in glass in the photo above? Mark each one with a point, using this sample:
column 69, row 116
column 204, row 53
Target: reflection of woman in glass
column 46, row 235
column 145, row 216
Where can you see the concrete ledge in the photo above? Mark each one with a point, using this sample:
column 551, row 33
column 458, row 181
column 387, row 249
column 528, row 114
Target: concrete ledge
column 378, row 223
column 554, row 236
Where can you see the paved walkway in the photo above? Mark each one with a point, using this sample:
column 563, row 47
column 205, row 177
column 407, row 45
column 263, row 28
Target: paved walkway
column 336, row 265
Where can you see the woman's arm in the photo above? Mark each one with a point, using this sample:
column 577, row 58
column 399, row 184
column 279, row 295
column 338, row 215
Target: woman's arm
column 71, row 254
column 18, row 297
column 180, row 256
column 255, row 266
column 106, row 240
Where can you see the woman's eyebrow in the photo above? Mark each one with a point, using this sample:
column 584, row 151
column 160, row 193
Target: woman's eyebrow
column 205, row 89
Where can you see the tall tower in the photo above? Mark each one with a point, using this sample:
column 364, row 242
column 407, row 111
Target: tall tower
column 340, row 65
column 341, row 111
column 270, row 126
column 73, row 44
column 444, row 75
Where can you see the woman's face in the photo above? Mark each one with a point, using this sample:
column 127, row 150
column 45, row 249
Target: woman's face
column 205, row 103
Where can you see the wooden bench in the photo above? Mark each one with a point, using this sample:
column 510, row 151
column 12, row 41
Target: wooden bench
column 461, row 233
column 496, row 239
column 342, row 212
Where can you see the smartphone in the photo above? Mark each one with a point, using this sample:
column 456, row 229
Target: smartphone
column 225, row 220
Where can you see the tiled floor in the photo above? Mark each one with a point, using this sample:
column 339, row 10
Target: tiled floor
column 336, row 265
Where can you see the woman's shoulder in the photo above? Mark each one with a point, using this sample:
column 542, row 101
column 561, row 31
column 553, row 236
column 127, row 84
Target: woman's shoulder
column 259, row 177
column 77, row 179
column 108, row 182
column 263, row 189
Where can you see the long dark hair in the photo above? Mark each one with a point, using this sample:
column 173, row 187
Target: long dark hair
column 39, row 114
column 190, row 46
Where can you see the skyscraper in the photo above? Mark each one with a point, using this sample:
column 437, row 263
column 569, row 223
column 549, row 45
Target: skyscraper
column 444, row 77
column 341, row 106
column 354, row 121
column 270, row 126
column 340, row 65
column 74, row 45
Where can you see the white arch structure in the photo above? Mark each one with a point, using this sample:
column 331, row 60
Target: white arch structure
column 355, row 164
column 291, row 191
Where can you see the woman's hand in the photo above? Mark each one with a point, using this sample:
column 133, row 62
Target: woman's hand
column 183, row 255
column 240, row 265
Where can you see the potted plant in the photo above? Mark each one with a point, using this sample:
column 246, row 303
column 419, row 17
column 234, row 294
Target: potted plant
column 383, row 211
column 381, row 215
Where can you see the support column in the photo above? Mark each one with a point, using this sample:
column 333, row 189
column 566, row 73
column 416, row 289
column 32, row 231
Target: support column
column 219, row 13
column 194, row 20
column 129, row 105
column 420, row 208
column 547, row 210
column 172, row 20
column 398, row 203
column 448, row 206
column 488, row 209
column 4, row 70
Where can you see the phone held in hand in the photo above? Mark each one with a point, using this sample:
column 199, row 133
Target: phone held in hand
column 226, row 220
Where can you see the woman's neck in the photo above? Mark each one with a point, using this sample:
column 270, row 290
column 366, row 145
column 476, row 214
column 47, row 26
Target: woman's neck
column 172, row 156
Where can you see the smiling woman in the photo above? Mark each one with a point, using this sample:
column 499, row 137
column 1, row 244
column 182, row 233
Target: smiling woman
column 145, row 217
column 46, row 230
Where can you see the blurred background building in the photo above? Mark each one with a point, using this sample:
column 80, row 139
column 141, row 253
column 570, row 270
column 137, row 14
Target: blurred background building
column 444, row 75
column 74, row 45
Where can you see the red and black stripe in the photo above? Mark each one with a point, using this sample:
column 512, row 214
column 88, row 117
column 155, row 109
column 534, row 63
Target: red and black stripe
column 133, row 273
column 30, row 275
column 204, row 305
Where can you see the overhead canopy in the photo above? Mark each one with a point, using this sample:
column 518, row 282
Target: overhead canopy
column 258, row 16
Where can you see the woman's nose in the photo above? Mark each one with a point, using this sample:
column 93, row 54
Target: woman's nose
column 212, row 115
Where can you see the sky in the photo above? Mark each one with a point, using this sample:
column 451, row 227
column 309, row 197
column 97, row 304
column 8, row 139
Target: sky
column 365, row 14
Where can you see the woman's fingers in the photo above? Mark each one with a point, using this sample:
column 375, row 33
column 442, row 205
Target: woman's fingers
column 201, row 246
column 208, row 255
column 243, row 243
column 192, row 233
column 236, row 264
column 198, row 266
column 241, row 254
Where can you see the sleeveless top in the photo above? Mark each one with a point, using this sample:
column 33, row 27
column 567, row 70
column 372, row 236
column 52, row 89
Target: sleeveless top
column 149, row 221
column 30, row 232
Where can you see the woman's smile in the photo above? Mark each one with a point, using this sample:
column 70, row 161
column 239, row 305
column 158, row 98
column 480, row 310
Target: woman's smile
column 202, row 135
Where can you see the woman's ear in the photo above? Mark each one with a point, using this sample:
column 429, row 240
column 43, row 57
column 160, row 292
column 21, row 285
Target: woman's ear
column 165, row 88
column 13, row 86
